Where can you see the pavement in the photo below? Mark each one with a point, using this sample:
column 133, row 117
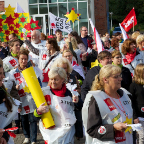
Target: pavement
column 20, row 138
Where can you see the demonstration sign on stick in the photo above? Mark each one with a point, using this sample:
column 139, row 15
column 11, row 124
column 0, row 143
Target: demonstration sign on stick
column 59, row 23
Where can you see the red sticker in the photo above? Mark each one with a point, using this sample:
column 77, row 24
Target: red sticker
column 142, row 109
column 13, row 62
column 46, row 141
column 102, row 130
column 48, row 99
column 110, row 104
column 21, row 93
column 27, row 109
column 125, row 61
column 119, row 136
column 17, row 76
column 45, row 76
column 44, row 57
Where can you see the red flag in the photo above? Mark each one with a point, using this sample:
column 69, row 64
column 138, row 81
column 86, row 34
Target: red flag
column 127, row 23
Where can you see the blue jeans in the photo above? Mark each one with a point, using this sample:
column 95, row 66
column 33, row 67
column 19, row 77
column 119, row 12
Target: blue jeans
column 29, row 124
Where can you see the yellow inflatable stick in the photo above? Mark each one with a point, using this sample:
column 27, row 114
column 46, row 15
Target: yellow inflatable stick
column 37, row 94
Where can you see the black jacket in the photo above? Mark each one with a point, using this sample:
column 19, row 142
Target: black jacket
column 90, row 58
column 3, row 53
column 137, row 99
column 79, row 77
column 87, row 83
column 126, row 78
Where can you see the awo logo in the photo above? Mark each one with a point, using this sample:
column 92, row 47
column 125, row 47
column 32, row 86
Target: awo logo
column 13, row 62
column 48, row 99
column 142, row 109
column 21, row 93
column 17, row 76
column 125, row 61
column 119, row 136
column 44, row 57
column 27, row 109
column 110, row 104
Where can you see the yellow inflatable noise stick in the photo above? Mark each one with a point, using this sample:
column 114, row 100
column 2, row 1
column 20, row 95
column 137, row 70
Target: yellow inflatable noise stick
column 37, row 94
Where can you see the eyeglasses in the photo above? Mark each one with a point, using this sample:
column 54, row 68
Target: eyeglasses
column 117, row 76
column 118, row 57
column 84, row 30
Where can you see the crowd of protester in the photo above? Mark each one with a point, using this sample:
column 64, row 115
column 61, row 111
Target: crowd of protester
column 104, row 90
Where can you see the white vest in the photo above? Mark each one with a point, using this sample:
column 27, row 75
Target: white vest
column 110, row 114
column 28, row 104
column 62, row 110
column 138, row 59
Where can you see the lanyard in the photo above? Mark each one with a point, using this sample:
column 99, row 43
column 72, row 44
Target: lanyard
column 118, row 105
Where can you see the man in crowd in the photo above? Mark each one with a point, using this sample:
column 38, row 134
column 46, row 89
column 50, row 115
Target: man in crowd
column 104, row 58
column 59, row 38
column 85, row 38
column 5, row 46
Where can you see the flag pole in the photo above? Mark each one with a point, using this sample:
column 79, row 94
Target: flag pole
column 133, row 26
column 73, row 26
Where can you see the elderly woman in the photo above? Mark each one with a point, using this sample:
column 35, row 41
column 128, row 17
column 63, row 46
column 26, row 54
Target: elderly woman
column 61, row 104
column 8, row 108
column 130, row 56
column 29, row 122
column 106, row 42
column 77, row 70
column 140, row 42
column 126, row 75
column 137, row 90
column 104, row 113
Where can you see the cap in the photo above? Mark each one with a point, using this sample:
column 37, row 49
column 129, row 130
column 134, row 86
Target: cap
column 29, row 34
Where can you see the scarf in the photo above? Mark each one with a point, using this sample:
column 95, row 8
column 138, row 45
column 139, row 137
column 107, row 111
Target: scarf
column 117, row 65
column 61, row 92
column 14, row 55
column 130, row 57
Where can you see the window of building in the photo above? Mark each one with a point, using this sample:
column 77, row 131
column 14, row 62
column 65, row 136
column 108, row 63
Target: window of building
column 60, row 8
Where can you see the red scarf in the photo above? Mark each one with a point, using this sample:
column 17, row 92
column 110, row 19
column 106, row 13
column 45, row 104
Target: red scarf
column 130, row 57
column 61, row 92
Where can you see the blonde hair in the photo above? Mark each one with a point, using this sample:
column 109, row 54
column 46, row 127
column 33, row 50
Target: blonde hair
column 115, row 53
column 57, row 71
column 68, row 50
column 135, row 35
column 138, row 74
column 140, row 39
column 59, row 61
column 105, row 72
column 73, row 41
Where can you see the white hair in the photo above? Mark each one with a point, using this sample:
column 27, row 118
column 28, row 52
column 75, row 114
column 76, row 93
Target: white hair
column 59, row 61
column 38, row 33
column 57, row 71
column 104, row 39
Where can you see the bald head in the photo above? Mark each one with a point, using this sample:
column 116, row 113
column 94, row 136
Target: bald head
column 36, row 36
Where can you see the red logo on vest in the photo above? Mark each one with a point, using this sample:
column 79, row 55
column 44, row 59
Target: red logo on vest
column 21, row 93
column 27, row 109
column 110, row 104
column 17, row 76
column 102, row 130
column 44, row 57
column 119, row 136
column 48, row 99
column 125, row 61
column 45, row 76
column 13, row 62
column 142, row 109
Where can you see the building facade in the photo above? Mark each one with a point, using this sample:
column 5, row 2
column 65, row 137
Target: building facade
column 39, row 10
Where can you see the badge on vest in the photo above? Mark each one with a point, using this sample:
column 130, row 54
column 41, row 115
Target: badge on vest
column 71, row 80
column 116, row 118
column 110, row 104
column 142, row 109
column 125, row 61
column 102, row 130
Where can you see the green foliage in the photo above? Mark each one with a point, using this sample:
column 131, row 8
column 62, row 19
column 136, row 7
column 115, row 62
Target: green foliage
column 121, row 8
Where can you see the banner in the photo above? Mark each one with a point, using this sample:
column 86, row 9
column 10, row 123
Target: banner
column 125, row 35
column 127, row 23
column 59, row 23
column 97, row 38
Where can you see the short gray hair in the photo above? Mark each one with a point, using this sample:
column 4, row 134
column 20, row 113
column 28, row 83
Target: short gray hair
column 57, row 71
column 38, row 33
column 59, row 61
column 104, row 39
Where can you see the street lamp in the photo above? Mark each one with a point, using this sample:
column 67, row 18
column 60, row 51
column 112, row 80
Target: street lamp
column 111, row 13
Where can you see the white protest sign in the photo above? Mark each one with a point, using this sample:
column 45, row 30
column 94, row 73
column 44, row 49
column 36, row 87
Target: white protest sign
column 59, row 23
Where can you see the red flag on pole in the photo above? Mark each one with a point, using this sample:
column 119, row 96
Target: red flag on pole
column 127, row 23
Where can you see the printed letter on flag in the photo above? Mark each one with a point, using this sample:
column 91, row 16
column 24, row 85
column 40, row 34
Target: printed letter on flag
column 59, row 23
column 97, row 38
column 127, row 23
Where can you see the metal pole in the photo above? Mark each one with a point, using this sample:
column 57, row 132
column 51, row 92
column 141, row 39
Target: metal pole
column 111, row 21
